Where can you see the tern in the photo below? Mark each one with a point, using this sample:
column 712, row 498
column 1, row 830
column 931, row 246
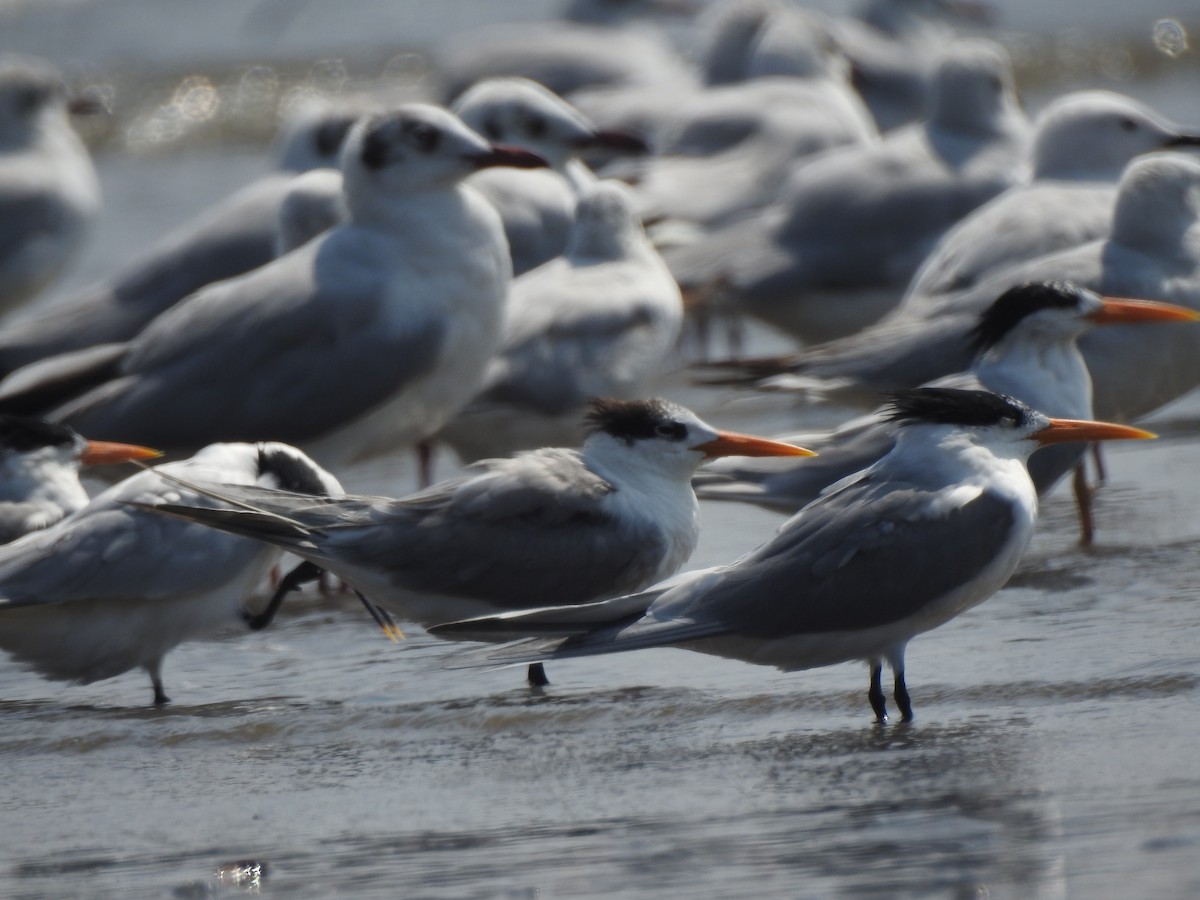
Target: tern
column 49, row 192
column 113, row 587
column 364, row 340
column 1025, row 347
column 600, row 321
column 932, row 529
column 551, row 525
column 39, row 472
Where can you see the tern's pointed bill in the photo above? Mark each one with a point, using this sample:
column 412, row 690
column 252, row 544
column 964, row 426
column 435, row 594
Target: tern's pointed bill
column 730, row 443
column 104, row 453
column 1118, row 311
column 1061, row 430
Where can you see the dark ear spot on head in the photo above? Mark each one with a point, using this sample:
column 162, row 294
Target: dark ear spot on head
column 376, row 148
column 424, row 137
column 535, row 126
column 492, row 130
column 294, row 473
column 329, row 136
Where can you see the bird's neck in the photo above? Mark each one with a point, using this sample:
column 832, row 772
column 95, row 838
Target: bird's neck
column 1049, row 374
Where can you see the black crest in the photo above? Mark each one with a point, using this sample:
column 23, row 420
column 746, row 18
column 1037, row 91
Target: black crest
column 294, row 472
column 947, row 406
column 1011, row 307
column 634, row 420
column 21, row 434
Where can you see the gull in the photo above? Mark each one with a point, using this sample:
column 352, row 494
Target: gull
column 549, row 525
column 932, row 529
column 537, row 206
column 1152, row 251
column 853, row 225
column 49, row 192
column 1082, row 143
column 1024, row 346
column 114, row 587
column 602, row 320
column 39, row 472
column 235, row 235
column 360, row 342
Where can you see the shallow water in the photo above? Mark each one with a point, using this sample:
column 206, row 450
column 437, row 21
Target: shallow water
column 1053, row 753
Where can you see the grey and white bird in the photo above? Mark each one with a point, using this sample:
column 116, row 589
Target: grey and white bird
column 362, row 341
column 852, row 226
column 1082, row 143
column 1025, row 347
column 39, row 472
column 602, row 320
column 537, row 206
column 550, row 525
column 49, row 191
column 1152, row 251
column 231, row 237
column 114, row 587
column 934, row 528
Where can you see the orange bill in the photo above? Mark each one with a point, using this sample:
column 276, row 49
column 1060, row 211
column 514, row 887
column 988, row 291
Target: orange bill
column 1118, row 311
column 730, row 443
column 1062, row 430
column 104, row 453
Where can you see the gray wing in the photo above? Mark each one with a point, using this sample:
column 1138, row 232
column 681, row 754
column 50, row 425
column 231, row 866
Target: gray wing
column 528, row 532
column 287, row 352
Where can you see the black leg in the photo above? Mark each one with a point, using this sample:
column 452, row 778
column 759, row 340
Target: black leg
column 537, row 675
column 302, row 574
column 424, row 463
column 902, row 699
column 875, row 694
column 1098, row 459
column 1083, row 501
column 160, row 696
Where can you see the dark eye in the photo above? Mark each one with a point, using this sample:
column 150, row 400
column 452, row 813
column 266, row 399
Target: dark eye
column 672, row 431
column 535, row 127
column 1128, row 125
column 425, row 137
column 492, row 130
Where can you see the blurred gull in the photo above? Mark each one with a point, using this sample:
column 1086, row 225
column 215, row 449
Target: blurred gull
column 600, row 321
column 233, row 236
column 1082, row 143
column 537, row 206
column 546, row 526
column 49, row 193
column 1153, row 251
column 114, row 587
column 359, row 342
column 932, row 529
column 852, row 226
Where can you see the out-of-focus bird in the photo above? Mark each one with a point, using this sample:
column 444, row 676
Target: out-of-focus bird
column 537, row 206
column 852, row 226
column 1082, row 143
column 361, row 341
column 934, row 528
column 600, row 321
column 235, row 235
column 114, row 587
column 550, row 525
column 49, row 192
column 39, row 472
column 1025, row 347
column 1152, row 251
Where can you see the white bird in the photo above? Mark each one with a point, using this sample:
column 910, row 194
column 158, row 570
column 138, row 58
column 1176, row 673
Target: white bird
column 852, row 226
column 364, row 340
column 39, row 472
column 600, row 321
column 934, row 528
column 235, row 235
column 593, row 42
column 550, row 525
column 114, row 587
column 1082, row 143
column 1024, row 346
column 49, row 192
column 1152, row 251
column 537, row 206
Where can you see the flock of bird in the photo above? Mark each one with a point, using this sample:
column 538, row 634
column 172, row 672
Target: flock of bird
column 509, row 275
